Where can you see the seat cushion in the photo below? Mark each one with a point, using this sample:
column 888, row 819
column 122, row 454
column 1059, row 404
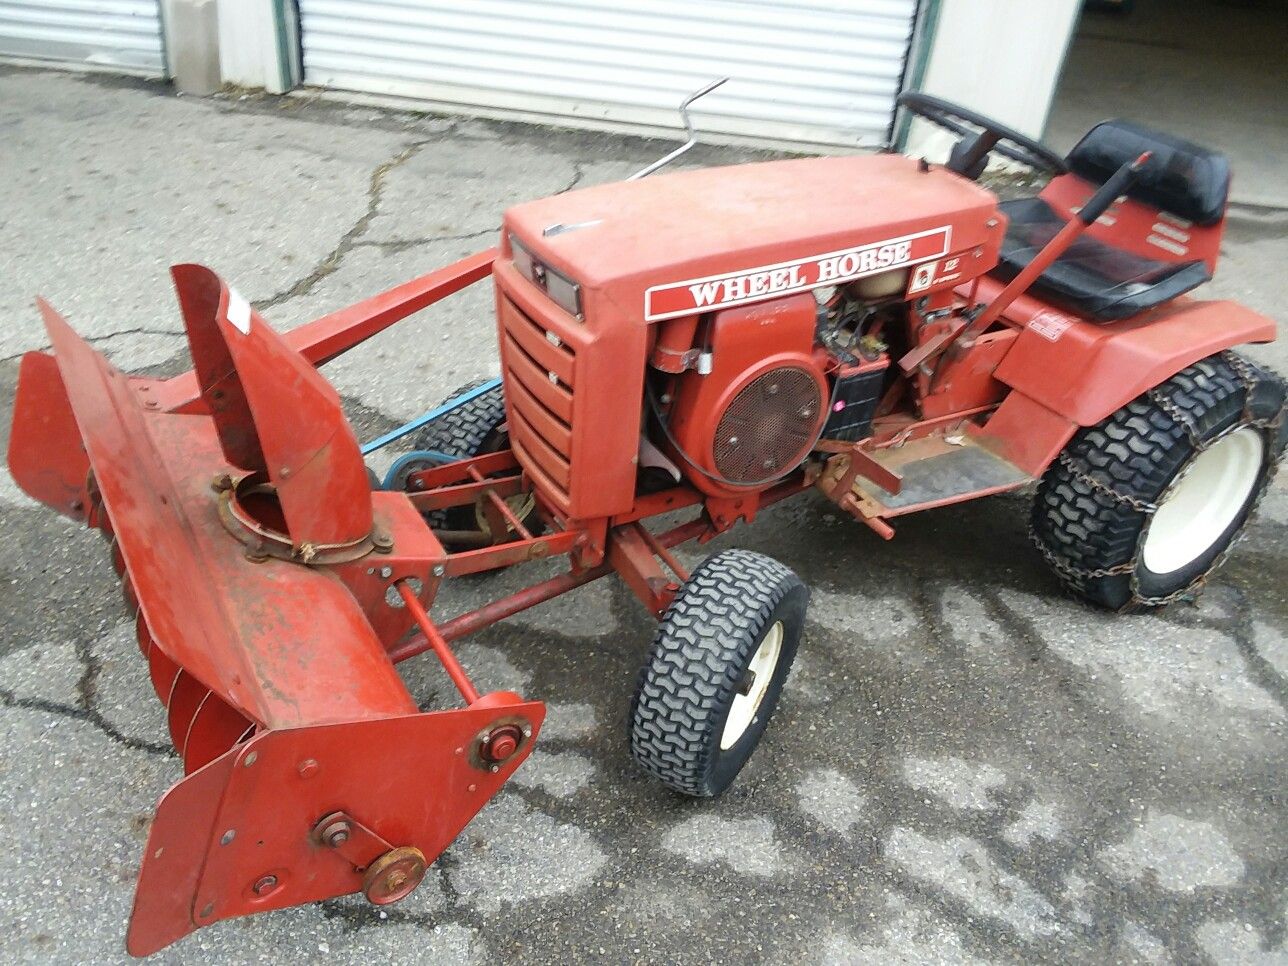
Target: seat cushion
column 1092, row 279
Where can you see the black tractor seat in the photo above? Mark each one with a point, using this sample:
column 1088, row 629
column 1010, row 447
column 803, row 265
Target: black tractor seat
column 1093, row 278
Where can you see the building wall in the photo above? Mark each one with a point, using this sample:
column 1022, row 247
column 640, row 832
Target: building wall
column 999, row 57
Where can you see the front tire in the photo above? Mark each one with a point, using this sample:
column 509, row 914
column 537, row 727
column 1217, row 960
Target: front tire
column 1139, row 509
column 715, row 670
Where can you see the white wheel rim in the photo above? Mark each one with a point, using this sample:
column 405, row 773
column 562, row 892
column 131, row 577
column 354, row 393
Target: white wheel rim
column 1204, row 501
column 745, row 706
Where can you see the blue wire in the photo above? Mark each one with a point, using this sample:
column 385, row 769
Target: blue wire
column 429, row 417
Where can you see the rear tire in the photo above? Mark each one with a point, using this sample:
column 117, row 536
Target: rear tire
column 697, row 714
column 474, row 429
column 1139, row 509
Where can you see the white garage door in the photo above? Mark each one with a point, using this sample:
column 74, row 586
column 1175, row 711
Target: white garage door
column 121, row 34
column 823, row 71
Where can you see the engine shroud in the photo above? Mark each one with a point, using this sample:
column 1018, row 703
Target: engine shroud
column 756, row 415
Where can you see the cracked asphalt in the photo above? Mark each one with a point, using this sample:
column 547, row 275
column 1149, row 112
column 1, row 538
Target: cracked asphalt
column 966, row 766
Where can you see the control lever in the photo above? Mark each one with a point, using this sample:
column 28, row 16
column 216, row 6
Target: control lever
column 688, row 127
column 1119, row 182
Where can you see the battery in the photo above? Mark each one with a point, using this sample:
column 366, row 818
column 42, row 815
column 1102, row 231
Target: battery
column 854, row 402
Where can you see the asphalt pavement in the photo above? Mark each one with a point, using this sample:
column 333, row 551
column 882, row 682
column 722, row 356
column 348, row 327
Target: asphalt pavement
column 967, row 766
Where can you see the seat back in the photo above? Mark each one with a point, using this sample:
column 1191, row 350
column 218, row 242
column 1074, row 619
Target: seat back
column 1181, row 179
column 1176, row 210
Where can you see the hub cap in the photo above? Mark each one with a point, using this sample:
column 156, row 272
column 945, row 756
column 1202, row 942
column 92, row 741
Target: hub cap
column 763, row 664
column 1204, row 501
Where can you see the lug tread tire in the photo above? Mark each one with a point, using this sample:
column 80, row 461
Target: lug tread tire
column 704, row 640
column 1134, row 453
column 463, row 431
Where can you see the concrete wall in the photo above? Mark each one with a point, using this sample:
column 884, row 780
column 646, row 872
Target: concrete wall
column 999, row 57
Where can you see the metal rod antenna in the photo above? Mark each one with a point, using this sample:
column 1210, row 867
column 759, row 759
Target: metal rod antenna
column 688, row 127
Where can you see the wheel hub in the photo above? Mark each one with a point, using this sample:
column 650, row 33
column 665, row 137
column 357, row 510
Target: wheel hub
column 1203, row 501
column 754, row 684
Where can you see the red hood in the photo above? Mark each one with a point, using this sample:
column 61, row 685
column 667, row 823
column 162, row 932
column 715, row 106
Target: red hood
column 693, row 224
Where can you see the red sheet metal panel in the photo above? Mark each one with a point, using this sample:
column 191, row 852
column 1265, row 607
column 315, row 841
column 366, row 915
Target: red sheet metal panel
column 284, row 644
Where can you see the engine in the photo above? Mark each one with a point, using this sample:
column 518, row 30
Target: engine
column 758, row 385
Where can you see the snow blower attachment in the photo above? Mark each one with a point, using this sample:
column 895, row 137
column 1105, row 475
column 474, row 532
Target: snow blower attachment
column 268, row 581
column 878, row 329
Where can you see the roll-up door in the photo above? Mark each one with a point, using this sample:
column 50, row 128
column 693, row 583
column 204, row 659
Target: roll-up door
column 123, row 34
column 821, row 71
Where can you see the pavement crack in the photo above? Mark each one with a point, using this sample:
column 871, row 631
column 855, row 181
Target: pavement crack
column 578, row 172
column 331, row 261
column 96, row 339
column 10, row 700
column 397, row 245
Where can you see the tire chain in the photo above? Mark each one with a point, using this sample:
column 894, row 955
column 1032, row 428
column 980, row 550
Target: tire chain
column 1100, row 486
column 1078, row 575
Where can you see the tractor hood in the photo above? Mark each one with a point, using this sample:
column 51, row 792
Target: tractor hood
column 691, row 241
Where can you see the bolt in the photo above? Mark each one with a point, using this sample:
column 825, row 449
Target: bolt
column 264, row 885
column 500, row 744
column 308, row 767
column 772, row 389
column 336, row 834
column 394, row 880
column 386, row 572
column 250, row 759
column 502, row 747
column 221, row 482
column 439, row 570
column 382, row 541
column 228, row 836
column 285, row 471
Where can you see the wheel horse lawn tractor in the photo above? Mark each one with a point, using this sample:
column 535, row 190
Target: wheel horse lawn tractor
column 876, row 328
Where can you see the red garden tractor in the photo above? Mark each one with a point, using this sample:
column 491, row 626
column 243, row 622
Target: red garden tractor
column 877, row 329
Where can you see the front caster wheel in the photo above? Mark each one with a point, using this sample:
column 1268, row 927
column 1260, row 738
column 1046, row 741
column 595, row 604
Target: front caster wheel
column 1140, row 508
column 715, row 669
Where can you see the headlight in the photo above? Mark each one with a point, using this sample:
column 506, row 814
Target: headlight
column 563, row 291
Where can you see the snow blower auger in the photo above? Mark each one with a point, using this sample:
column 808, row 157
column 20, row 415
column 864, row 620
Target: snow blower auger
column 875, row 328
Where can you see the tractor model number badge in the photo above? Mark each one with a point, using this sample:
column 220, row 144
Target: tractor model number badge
column 830, row 268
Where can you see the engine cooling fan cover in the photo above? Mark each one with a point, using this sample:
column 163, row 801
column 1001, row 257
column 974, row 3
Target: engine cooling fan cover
column 769, row 426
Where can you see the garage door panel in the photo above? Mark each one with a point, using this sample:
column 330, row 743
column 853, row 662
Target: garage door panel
column 116, row 33
column 816, row 70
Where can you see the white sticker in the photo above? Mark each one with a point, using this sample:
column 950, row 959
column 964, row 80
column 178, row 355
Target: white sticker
column 1050, row 325
column 238, row 312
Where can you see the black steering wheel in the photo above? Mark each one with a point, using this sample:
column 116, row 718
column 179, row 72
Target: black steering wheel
column 980, row 136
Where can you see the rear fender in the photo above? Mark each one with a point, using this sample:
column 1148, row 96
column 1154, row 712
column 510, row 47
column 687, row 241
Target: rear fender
column 1083, row 372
